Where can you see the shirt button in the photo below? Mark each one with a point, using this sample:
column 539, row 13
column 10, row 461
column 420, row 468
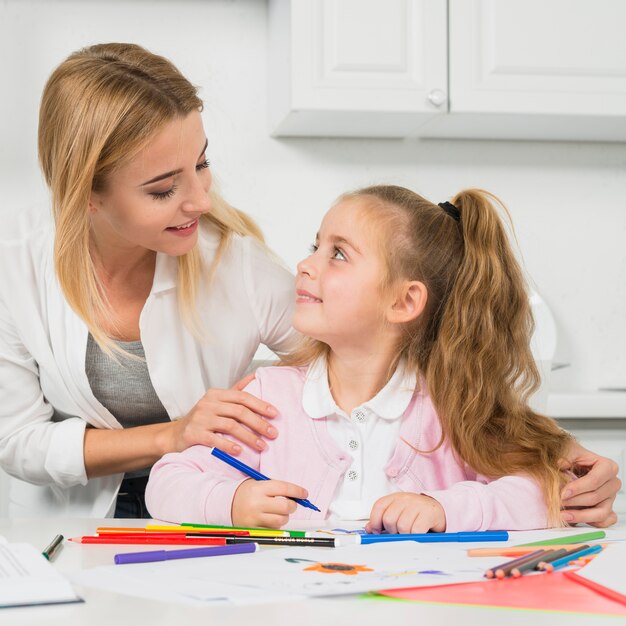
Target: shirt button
column 353, row 444
column 360, row 416
column 352, row 475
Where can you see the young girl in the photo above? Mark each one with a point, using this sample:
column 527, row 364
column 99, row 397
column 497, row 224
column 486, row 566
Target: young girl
column 406, row 404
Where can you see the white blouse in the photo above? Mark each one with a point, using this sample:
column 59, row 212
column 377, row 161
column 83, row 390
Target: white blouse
column 45, row 398
column 368, row 436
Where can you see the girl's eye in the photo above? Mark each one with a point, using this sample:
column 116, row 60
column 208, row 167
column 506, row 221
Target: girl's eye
column 163, row 195
column 313, row 248
column 339, row 255
column 203, row 166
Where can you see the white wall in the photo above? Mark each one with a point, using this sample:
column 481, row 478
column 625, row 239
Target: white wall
column 567, row 199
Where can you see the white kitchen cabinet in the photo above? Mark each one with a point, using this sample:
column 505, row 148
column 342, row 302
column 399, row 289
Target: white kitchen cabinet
column 465, row 68
column 356, row 68
column 536, row 70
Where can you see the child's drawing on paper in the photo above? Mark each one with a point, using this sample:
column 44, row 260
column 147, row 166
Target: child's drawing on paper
column 338, row 568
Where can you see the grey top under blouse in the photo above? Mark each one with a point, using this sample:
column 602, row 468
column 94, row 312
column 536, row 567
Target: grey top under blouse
column 124, row 388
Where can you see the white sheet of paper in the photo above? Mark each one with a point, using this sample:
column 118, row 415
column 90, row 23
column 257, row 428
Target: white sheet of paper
column 277, row 574
column 607, row 568
column 27, row 578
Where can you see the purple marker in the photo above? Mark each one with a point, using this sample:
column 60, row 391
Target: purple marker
column 166, row 555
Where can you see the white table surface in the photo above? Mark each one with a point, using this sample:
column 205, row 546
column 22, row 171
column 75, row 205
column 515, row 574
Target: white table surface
column 103, row 608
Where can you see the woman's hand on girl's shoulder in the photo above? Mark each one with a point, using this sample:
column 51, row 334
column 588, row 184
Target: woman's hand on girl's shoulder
column 404, row 512
column 219, row 412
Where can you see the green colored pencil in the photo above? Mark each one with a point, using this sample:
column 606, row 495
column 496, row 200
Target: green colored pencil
column 567, row 539
column 291, row 533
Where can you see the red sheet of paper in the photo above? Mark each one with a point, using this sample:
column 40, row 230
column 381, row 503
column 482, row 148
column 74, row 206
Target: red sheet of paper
column 545, row 592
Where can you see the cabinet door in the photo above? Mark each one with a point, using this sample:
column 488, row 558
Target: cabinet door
column 361, row 68
column 537, row 69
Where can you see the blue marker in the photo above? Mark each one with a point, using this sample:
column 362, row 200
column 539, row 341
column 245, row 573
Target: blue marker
column 248, row 471
column 482, row 535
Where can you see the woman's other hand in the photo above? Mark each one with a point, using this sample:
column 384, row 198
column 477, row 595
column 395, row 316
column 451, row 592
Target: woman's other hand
column 589, row 498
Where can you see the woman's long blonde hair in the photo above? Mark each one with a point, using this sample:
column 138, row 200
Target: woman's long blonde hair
column 472, row 342
column 99, row 108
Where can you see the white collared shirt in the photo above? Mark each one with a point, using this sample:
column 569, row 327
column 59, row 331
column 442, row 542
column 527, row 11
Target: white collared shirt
column 368, row 435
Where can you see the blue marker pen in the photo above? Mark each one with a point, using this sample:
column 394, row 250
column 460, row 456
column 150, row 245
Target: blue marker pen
column 249, row 471
column 482, row 535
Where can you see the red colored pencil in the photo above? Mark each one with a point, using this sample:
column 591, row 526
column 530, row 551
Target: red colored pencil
column 182, row 536
column 116, row 539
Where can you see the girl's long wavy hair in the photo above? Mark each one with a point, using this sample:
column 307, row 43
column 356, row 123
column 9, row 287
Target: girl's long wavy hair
column 99, row 108
column 472, row 342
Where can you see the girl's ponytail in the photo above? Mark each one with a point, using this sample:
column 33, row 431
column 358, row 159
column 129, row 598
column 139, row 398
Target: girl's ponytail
column 480, row 370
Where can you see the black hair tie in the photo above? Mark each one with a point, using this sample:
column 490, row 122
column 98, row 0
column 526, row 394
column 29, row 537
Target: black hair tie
column 451, row 210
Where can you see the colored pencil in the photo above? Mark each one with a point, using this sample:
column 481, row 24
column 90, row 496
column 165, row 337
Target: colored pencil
column 166, row 555
column 585, row 559
column 252, row 530
column 514, row 550
column 168, row 537
column 564, row 552
column 502, row 570
column 193, row 528
column 506, row 569
column 531, row 564
column 566, row 560
column 568, row 539
column 114, row 540
column 182, row 533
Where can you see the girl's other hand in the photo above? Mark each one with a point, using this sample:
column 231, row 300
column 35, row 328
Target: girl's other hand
column 265, row 503
column 406, row 513
column 589, row 499
column 231, row 412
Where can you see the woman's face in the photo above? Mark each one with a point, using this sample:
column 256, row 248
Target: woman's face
column 154, row 200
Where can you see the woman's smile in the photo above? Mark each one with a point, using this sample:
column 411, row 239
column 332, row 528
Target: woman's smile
column 184, row 230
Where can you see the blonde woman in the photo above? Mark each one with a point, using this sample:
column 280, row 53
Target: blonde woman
column 147, row 291
column 126, row 320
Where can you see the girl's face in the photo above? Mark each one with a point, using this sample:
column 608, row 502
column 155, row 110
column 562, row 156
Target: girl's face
column 154, row 200
column 339, row 298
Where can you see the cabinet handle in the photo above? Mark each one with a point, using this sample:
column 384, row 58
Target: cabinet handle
column 437, row 97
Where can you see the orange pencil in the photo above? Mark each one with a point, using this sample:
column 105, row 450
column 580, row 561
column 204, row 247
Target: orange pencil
column 117, row 540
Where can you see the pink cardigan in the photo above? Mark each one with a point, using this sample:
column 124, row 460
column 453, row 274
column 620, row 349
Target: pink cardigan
column 194, row 486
